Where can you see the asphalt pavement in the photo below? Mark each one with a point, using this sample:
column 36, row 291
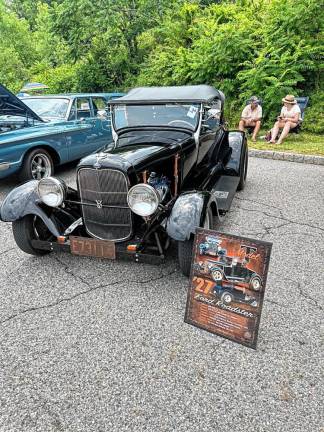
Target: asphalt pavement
column 92, row 345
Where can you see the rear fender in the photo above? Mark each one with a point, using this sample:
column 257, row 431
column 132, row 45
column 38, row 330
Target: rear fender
column 23, row 201
column 238, row 144
column 188, row 213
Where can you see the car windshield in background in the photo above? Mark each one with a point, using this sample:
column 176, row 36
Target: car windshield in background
column 48, row 107
column 174, row 115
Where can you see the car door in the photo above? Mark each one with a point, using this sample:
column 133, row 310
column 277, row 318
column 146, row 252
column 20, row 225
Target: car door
column 81, row 130
column 102, row 122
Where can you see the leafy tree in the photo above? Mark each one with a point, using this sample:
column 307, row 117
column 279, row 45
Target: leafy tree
column 264, row 47
column 291, row 58
column 16, row 48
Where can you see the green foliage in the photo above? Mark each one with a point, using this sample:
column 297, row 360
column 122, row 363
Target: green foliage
column 60, row 79
column 314, row 115
column 291, row 57
column 263, row 47
column 16, row 49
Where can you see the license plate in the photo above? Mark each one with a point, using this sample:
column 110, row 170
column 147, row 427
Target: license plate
column 92, row 247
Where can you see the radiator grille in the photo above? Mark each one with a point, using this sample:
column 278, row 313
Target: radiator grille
column 100, row 188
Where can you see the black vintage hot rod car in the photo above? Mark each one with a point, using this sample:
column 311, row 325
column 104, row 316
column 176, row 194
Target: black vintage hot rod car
column 172, row 166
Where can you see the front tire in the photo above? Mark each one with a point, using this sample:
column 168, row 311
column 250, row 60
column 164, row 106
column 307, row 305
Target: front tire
column 256, row 283
column 227, row 297
column 185, row 247
column 217, row 275
column 37, row 164
column 26, row 230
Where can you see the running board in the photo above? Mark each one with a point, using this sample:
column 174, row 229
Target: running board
column 224, row 191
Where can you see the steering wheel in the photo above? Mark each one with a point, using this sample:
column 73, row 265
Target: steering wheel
column 181, row 121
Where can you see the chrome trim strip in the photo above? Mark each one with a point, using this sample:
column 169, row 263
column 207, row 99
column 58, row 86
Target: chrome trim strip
column 72, row 227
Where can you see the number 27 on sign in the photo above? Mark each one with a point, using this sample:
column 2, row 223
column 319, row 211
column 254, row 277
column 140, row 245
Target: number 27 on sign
column 202, row 285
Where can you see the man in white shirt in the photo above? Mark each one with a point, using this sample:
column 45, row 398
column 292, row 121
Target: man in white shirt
column 288, row 119
column 251, row 117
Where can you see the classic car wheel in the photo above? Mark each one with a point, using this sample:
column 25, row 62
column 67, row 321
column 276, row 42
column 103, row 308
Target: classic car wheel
column 185, row 247
column 255, row 283
column 37, row 164
column 30, row 228
column 217, row 275
column 227, row 297
column 243, row 171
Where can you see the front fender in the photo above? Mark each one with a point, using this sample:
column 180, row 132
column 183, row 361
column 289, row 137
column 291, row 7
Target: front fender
column 187, row 214
column 23, row 201
column 237, row 142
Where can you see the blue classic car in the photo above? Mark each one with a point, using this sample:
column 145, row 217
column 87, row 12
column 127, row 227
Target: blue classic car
column 38, row 133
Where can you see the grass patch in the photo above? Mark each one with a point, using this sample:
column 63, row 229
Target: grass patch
column 303, row 143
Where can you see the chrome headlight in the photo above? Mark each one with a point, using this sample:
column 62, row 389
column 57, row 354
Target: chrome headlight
column 51, row 191
column 143, row 199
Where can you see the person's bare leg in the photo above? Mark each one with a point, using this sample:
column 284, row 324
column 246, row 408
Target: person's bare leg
column 256, row 130
column 242, row 125
column 285, row 131
column 275, row 130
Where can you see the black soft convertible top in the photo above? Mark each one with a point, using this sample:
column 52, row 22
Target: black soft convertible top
column 195, row 93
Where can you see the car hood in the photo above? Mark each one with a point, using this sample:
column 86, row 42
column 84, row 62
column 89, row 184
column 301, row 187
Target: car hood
column 13, row 106
column 141, row 151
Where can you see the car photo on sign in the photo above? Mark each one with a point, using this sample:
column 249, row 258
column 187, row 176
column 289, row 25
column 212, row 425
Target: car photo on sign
column 229, row 268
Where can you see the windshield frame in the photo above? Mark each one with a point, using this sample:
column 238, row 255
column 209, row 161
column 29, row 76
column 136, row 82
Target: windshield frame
column 40, row 98
column 154, row 126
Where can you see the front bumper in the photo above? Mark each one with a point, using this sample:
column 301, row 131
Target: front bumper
column 121, row 252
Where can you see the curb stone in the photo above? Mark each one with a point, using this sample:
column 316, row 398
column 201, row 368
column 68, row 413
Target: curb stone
column 290, row 157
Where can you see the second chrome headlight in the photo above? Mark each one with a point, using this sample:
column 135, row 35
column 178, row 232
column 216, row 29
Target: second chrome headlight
column 51, row 191
column 143, row 199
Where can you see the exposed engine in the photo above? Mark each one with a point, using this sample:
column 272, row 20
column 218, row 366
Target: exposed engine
column 7, row 126
column 160, row 183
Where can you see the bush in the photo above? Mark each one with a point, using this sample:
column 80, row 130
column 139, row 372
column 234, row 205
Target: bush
column 314, row 114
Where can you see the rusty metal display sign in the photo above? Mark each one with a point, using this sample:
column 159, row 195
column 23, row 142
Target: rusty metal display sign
column 92, row 247
column 227, row 283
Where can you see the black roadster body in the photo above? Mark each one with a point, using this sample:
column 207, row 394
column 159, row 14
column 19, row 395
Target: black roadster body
column 172, row 166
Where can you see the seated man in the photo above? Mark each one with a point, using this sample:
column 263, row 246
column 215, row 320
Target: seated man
column 288, row 119
column 251, row 117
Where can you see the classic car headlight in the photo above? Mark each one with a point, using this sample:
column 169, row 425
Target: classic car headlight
column 51, row 191
column 143, row 199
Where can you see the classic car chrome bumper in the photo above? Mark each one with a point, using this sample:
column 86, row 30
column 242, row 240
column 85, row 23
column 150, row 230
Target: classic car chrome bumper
column 121, row 251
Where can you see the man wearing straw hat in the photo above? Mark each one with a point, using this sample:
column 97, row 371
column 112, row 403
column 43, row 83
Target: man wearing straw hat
column 251, row 117
column 288, row 119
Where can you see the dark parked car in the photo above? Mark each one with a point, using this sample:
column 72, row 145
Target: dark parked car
column 211, row 247
column 228, row 294
column 40, row 132
column 231, row 269
column 172, row 167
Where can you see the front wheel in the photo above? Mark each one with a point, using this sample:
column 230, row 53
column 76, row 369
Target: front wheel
column 26, row 230
column 185, row 247
column 217, row 275
column 227, row 297
column 256, row 283
column 36, row 165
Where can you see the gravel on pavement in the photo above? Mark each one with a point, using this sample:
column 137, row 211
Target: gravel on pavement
column 93, row 345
